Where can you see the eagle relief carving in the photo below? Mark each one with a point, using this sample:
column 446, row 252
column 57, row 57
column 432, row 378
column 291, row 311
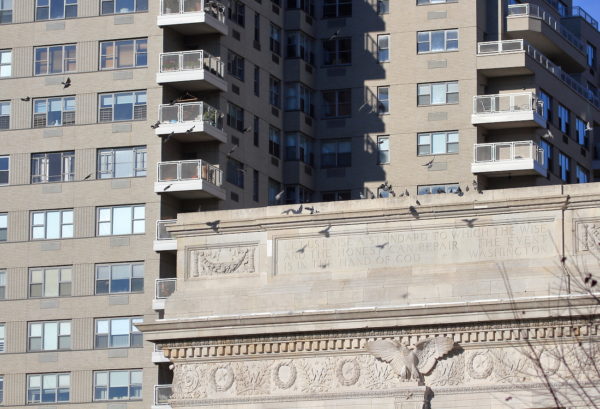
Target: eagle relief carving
column 414, row 361
column 222, row 261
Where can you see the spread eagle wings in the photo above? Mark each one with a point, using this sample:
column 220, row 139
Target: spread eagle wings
column 389, row 351
column 429, row 350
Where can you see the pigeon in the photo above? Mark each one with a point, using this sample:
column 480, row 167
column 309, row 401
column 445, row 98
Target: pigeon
column 325, row 231
column 67, row 83
column 26, row 99
column 214, row 225
column 279, row 195
column 429, row 164
column 190, row 130
column 88, row 176
column 167, row 187
column 334, row 35
column 232, row 150
column 156, row 125
column 469, row 222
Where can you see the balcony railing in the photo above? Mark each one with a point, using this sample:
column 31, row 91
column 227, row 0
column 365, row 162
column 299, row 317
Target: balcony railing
column 190, row 112
column 509, row 46
column 162, row 394
column 533, row 10
column 164, row 287
column 505, row 103
column 580, row 12
column 212, row 7
column 161, row 229
column 189, row 170
column 191, row 61
column 508, row 151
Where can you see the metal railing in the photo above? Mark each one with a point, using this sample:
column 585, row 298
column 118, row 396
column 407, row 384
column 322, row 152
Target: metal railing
column 533, row 10
column 191, row 61
column 505, row 151
column 161, row 229
column 580, row 12
column 190, row 112
column 189, row 170
column 212, row 7
column 164, row 287
column 503, row 103
column 162, row 394
column 509, row 46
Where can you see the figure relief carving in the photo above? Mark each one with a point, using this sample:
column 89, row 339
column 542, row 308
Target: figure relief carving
column 414, row 361
column 348, row 371
column 221, row 377
column 252, row 379
column 222, row 261
column 285, row 374
column 591, row 239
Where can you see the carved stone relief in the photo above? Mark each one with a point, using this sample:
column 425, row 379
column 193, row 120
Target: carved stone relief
column 221, row 261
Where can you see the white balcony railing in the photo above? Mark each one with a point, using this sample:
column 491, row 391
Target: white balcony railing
column 212, row 7
column 511, row 46
column 191, row 61
column 190, row 112
column 164, row 287
column 533, row 10
column 162, row 394
column 189, row 170
column 506, row 103
column 161, row 229
column 508, row 151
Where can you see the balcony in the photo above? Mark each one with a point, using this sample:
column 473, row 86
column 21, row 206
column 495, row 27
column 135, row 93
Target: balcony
column 192, row 17
column 501, row 111
column 192, row 71
column 580, row 12
column 163, row 288
column 164, row 241
column 537, row 26
column 162, row 394
column 191, row 122
column 517, row 57
column 158, row 356
column 190, row 179
column 508, row 158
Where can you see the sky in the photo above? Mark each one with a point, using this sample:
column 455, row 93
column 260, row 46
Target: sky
column 591, row 6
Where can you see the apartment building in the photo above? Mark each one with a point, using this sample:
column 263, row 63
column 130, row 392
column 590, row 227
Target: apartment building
column 116, row 115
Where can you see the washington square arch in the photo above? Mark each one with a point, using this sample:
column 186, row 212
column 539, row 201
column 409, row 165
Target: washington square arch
column 470, row 300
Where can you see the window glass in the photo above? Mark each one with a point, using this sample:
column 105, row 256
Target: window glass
column 123, row 54
column 51, row 224
column 119, row 220
column 5, row 63
column 4, row 170
column 122, row 106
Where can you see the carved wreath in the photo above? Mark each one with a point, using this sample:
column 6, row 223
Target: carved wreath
column 224, row 381
column 348, row 379
column 277, row 378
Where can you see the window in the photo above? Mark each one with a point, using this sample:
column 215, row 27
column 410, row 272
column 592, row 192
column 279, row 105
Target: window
column 255, row 185
column 562, row 8
column 123, row 6
column 2, row 338
column 118, row 333
column 437, row 41
column 383, row 100
column 257, row 30
column 4, row 169
column 274, row 91
column 2, row 293
column 546, row 105
column 274, row 188
column 118, row 385
column 299, row 147
column 235, row 117
column 119, row 278
column 53, row 112
column 50, row 282
column 118, row 220
column 438, row 93
column 4, row 115
column 123, row 54
column 5, row 63
column 337, row 103
column 337, row 8
column 255, row 131
column 49, row 336
column 591, row 55
column 122, row 106
column 297, row 194
column 564, row 167
column 275, row 39
column 53, row 167
column 423, row 2
column 55, row 9
column 51, row 224
column 383, row 6
column 55, row 59
column 548, row 158
column 336, row 196
column 299, row 45
column 299, row 97
column 383, row 149
column 1, row 389
column 235, row 172
column 3, row 226
column 337, row 51
column 580, row 130
column 122, row 162
column 235, row 65
column 336, row 154
column 308, row 6
column 237, row 12
column 274, row 141
column 437, row 143
column 583, row 176
column 437, row 189
column 48, row 387
column 256, row 81
column 5, row 18
column 563, row 119
column 383, row 47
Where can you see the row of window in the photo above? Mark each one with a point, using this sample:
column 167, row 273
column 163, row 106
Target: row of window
column 59, row 224
column 582, row 175
column 56, row 387
column 50, row 282
column 564, row 119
